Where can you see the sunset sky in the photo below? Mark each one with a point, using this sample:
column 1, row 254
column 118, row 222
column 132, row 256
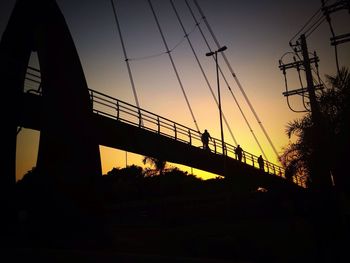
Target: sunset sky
column 255, row 32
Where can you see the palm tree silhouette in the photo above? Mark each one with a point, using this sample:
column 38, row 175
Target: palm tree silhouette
column 158, row 164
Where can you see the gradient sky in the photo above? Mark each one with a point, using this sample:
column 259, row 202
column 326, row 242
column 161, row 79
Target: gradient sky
column 255, row 32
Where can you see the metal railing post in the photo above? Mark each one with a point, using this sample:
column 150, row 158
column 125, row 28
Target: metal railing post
column 117, row 110
column 140, row 118
column 91, row 95
column 158, row 123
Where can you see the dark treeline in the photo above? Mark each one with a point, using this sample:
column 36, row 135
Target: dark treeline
column 122, row 185
column 132, row 190
column 172, row 213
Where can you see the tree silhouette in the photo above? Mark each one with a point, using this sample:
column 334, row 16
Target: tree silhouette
column 130, row 172
column 334, row 105
column 158, row 164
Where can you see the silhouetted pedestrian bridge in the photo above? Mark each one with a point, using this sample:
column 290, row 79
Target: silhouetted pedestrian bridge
column 123, row 126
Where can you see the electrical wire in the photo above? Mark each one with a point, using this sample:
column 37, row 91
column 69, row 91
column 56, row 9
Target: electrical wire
column 307, row 22
column 314, row 26
column 302, row 88
column 328, row 18
column 282, row 67
column 287, row 97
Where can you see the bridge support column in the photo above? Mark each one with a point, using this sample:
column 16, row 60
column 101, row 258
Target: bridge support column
column 68, row 157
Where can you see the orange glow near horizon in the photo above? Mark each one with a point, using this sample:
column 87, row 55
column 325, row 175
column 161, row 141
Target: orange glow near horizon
column 27, row 149
column 114, row 158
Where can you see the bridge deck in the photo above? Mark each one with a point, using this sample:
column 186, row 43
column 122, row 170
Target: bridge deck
column 121, row 135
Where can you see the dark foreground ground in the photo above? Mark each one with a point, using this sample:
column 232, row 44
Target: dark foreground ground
column 218, row 227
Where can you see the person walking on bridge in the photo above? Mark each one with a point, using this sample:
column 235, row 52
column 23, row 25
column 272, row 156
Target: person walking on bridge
column 239, row 152
column 205, row 140
column 261, row 162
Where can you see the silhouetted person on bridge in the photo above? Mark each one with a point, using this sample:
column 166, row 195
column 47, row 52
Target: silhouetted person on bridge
column 261, row 162
column 239, row 152
column 205, row 140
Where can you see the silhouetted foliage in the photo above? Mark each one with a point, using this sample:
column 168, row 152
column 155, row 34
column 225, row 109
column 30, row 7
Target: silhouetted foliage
column 131, row 172
column 134, row 182
column 334, row 105
column 158, row 164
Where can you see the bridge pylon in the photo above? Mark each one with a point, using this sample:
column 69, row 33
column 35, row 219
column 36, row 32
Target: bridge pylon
column 68, row 155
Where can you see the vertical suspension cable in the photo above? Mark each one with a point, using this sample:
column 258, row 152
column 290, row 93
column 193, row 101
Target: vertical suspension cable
column 201, row 68
column 228, row 86
column 173, row 64
column 248, row 124
column 125, row 56
column 236, row 79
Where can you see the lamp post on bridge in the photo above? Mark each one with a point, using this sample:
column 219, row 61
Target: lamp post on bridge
column 215, row 54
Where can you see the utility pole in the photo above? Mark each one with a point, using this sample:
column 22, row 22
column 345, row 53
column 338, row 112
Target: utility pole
column 320, row 167
column 315, row 111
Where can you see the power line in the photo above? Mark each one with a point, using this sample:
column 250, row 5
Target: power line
column 323, row 14
column 307, row 22
column 326, row 11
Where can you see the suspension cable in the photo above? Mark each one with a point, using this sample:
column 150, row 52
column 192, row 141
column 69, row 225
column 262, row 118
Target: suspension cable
column 125, row 54
column 227, row 84
column 173, row 64
column 201, row 68
column 206, row 41
column 163, row 53
column 236, row 79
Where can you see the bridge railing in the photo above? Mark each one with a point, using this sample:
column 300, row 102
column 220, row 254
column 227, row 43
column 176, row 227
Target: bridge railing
column 128, row 113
